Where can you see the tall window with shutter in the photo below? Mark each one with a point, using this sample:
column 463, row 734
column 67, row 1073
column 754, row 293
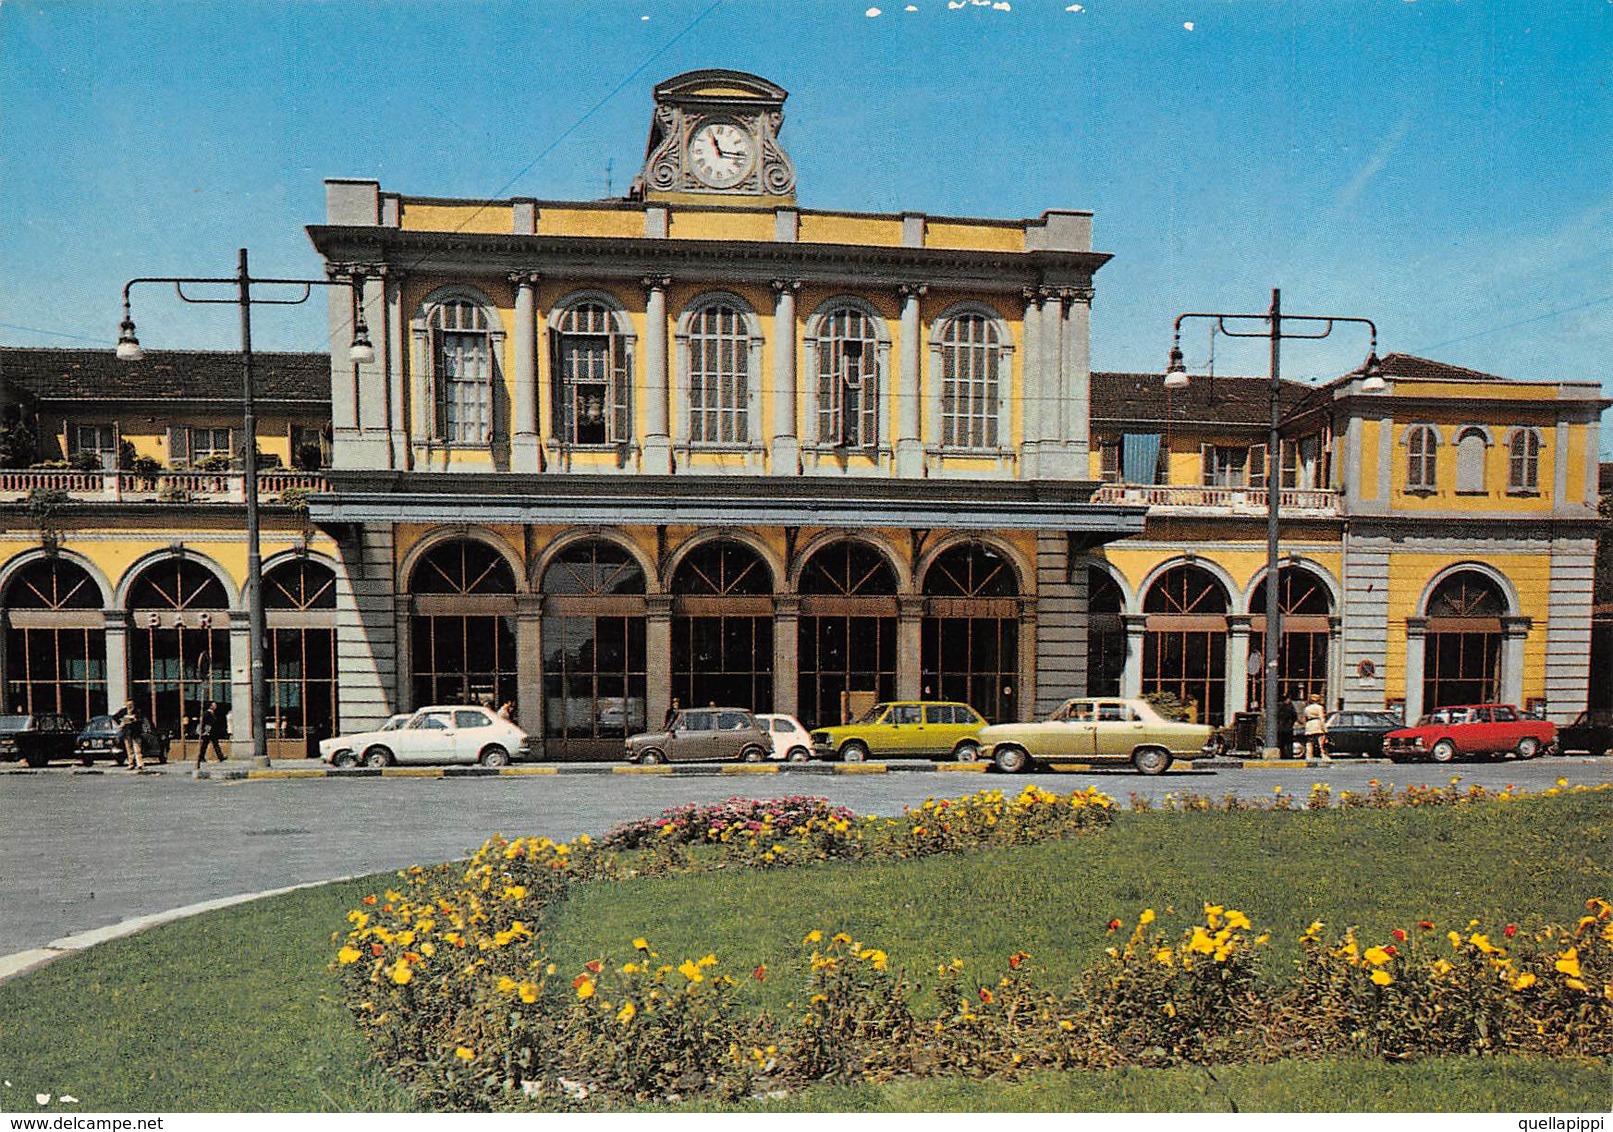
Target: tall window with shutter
column 462, row 361
column 1422, row 448
column 1523, row 461
column 592, row 368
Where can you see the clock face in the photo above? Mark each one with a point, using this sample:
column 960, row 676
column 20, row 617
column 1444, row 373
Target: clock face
column 720, row 154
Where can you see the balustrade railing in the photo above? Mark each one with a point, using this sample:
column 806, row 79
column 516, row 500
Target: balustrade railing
column 1233, row 500
column 163, row 486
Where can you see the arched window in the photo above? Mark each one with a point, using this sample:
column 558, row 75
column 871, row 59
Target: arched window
column 1462, row 650
column 719, row 353
column 55, row 656
column 970, row 632
column 1422, row 448
column 1306, row 605
column 462, row 366
column 972, row 366
column 1184, row 647
column 1523, row 461
column 722, row 628
column 591, row 360
column 299, row 600
column 462, row 634
column 1471, row 447
column 593, row 651
column 850, row 376
column 846, row 635
column 179, row 643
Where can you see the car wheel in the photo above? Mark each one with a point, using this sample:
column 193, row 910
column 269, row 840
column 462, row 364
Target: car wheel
column 1444, row 752
column 752, row 755
column 35, row 761
column 1011, row 760
column 344, row 759
column 1151, row 760
column 967, row 753
column 495, row 756
column 378, row 756
column 1528, row 747
column 800, row 755
column 652, row 758
column 853, row 752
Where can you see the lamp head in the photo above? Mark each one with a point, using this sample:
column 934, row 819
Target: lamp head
column 1176, row 371
column 128, row 345
column 1372, row 375
column 361, row 352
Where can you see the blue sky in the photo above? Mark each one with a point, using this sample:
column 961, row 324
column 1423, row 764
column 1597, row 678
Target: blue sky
column 1440, row 167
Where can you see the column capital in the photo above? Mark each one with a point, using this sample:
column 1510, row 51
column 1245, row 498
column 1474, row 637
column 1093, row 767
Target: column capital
column 1516, row 626
column 658, row 607
column 529, row 605
column 1029, row 294
column 1134, row 622
column 1416, row 627
column 1238, row 621
column 656, row 282
column 787, row 605
column 913, row 290
column 525, row 278
column 786, row 286
column 909, row 607
column 1068, row 296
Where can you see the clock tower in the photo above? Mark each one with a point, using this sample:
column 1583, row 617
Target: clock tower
column 714, row 136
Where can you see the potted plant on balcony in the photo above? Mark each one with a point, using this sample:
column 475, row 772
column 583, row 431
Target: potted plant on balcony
column 45, row 505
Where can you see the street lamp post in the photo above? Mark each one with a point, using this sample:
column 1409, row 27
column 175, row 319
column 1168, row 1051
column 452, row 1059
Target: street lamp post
column 1176, row 378
column 360, row 351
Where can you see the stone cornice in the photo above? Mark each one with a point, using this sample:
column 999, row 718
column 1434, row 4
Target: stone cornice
column 470, row 254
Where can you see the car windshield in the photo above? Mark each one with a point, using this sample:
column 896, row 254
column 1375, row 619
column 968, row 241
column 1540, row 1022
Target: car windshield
column 873, row 713
column 14, row 722
column 394, row 723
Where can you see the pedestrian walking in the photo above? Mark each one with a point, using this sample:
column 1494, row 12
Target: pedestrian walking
column 131, row 734
column 208, row 729
column 1316, row 730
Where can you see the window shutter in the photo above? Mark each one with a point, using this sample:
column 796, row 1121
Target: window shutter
column 1207, row 458
column 1256, row 476
column 178, row 444
column 71, row 430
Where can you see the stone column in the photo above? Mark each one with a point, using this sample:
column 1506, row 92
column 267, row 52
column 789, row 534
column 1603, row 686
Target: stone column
column 1237, row 664
column 1024, row 708
column 786, row 437
column 1049, row 365
column 658, row 651
column 390, row 340
column 1336, row 695
column 786, row 658
column 403, row 613
column 1416, row 639
column 1030, row 387
column 1514, row 631
column 909, row 646
column 529, row 668
column 1075, row 378
column 909, row 438
column 524, row 447
column 1131, row 677
column 241, row 683
column 657, row 433
column 117, row 658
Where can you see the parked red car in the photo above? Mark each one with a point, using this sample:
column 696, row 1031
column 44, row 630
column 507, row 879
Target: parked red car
column 1451, row 733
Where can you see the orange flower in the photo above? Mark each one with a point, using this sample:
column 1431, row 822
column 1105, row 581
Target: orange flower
column 594, row 965
column 1426, row 925
column 760, row 973
column 1510, row 930
column 1399, row 934
column 1016, row 959
column 369, row 900
column 985, row 995
column 1114, row 925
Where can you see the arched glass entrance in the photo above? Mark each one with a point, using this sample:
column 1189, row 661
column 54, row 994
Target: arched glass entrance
column 55, row 641
column 593, row 651
column 1462, row 652
column 1306, row 607
column 722, row 628
column 1185, row 646
column 462, row 634
column 970, row 632
column 299, row 602
column 847, row 634
column 1106, row 633
column 179, row 643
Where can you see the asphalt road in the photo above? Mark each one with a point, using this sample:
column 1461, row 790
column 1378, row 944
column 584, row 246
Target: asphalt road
column 83, row 851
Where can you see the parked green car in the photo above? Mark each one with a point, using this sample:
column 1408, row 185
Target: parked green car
column 913, row 729
column 1097, row 731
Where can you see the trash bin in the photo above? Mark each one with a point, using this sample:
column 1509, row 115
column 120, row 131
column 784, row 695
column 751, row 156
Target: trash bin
column 1246, row 731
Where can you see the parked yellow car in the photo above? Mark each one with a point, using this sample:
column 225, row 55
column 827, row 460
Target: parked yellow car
column 1097, row 731
column 913, row 729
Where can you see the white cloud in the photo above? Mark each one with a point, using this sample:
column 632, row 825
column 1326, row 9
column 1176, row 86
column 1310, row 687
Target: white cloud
column 1188, row 25
column 873, row 12
column 1078, row 8
column 1002, row 6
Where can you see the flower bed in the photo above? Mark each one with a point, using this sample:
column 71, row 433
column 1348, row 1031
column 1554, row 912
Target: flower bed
column 447, row 976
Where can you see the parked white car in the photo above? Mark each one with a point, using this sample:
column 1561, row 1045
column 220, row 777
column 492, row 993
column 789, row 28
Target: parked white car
column 451, row 733
column 791, row 741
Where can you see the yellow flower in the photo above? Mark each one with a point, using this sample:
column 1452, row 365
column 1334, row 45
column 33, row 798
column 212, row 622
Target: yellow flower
column 1163, row 956
column 1441, row 967
column 641, row 944
column 465, row 1053
column 631, row 968
column 1482, row 942
column 625, row 1014
column 840, row 938
column 1201, row 941
column 1147, row 917
column 814, row 936
column 689, row 970
column 877, row 957
column 507, row 985
column 1237, row 920
column 348, row 955
column 1455, row 938
column 401, row 972
column 428, row 949
column 515, row 892
column 1568, row 963
column 1524, row 981
column 529, row 992
column 708, row 961
column 1066, row 1024
column 1382, row 978
column 1377, row 956
column 585, row 988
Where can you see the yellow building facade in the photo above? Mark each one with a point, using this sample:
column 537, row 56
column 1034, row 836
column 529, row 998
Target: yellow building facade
column 703, row 445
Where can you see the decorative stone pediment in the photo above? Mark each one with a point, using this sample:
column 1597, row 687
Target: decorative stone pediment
column 714, row 133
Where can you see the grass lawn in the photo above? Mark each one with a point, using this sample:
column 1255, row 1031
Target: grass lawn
column 234, row 1011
